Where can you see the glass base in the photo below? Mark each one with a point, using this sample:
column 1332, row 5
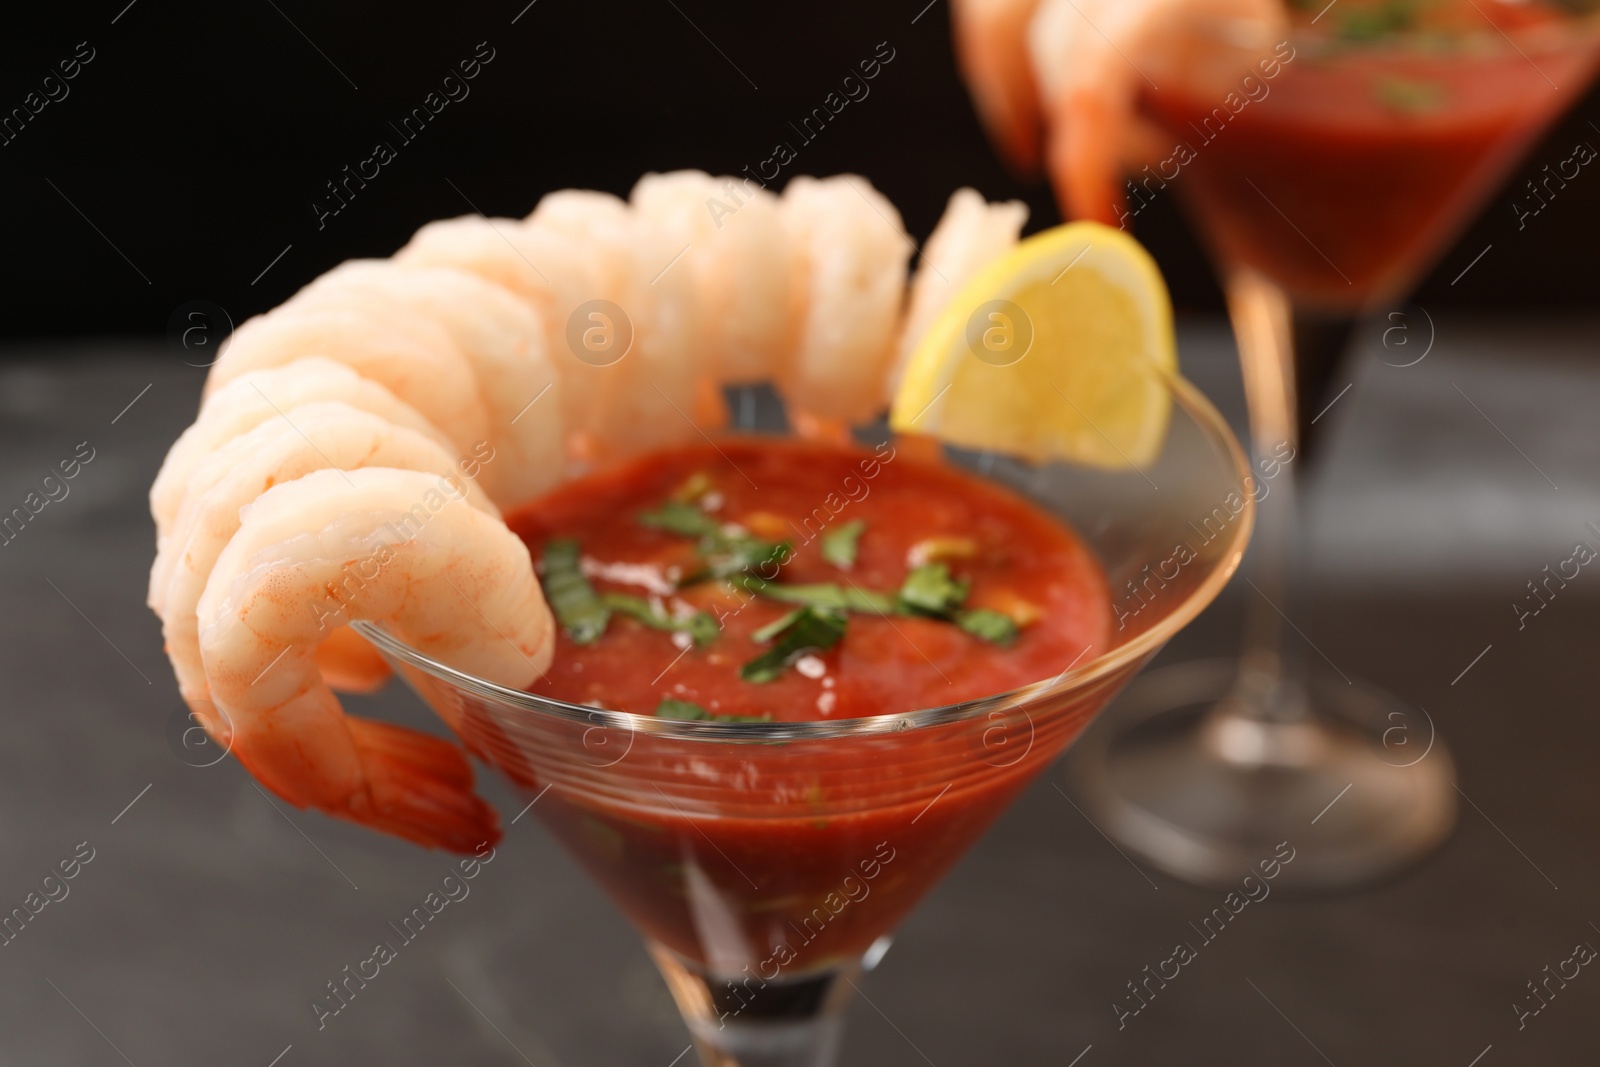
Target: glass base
column 746, row 1021
column 1358, row 789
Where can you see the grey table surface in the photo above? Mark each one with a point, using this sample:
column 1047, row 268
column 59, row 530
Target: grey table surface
column 210, row 916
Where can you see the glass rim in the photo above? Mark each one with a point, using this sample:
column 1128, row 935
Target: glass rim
column 1075, row 676
column 1544, row 37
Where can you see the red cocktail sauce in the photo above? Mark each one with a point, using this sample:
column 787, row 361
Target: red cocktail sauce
column 766, row 862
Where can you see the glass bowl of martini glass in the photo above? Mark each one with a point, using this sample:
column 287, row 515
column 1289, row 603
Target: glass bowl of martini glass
column 766, row 863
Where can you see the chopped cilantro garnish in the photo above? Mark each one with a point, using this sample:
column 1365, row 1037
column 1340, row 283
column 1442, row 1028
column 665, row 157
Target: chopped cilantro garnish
column 931, row 590
column 585, row 614
column 818, row 622
column 680, row 709
column 701, row 625
column 859, row 599
column 685, row 711
column 577, row 606
column 682, row 518
column 775, row 627
column 820, row 595
column 928, row 590
column 737, row 555
column 988, row 625
column 807, row 630
column 839, row 543
column 725, row 553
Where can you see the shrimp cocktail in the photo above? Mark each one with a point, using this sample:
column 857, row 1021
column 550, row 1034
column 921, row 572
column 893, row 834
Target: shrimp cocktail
column 1328, row 153
column 614, row 488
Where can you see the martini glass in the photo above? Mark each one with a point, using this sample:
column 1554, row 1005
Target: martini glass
column 1325, row 171
column 766, row 864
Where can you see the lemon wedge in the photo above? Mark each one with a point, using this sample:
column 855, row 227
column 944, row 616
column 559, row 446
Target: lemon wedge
column 1058, row 350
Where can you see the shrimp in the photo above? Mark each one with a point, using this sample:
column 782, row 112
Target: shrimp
column 1082, row 55
column 252, row 399
column 414, row 357
column 601, row 225
column 851, row 255
column 971, row 235
column 740, row 259
column 1087, row 97
column 596, row 220
column 549, row 270
column 327, row 478
column 504, row 341
column 390, row 546
column 991, row 40
column 350, row 664
column 553, row 276
column 309, row 437
column 579, row 212
column 655, row 392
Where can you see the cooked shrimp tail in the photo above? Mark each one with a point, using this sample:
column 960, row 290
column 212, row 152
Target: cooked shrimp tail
column 398, row 780
column 421, row 788
column 1085, row 170
column 991, row 47
column 394, row 547
column 1086, row 90
column 351, row 665
column 1089, row 59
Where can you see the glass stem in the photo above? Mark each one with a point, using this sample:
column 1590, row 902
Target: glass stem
column 1273, row 667
column 750, row 1022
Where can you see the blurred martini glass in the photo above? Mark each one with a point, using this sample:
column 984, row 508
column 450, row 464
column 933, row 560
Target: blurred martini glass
column 1326, row 169
column 767, row 863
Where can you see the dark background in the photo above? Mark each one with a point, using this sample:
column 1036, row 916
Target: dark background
column 199, row 135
